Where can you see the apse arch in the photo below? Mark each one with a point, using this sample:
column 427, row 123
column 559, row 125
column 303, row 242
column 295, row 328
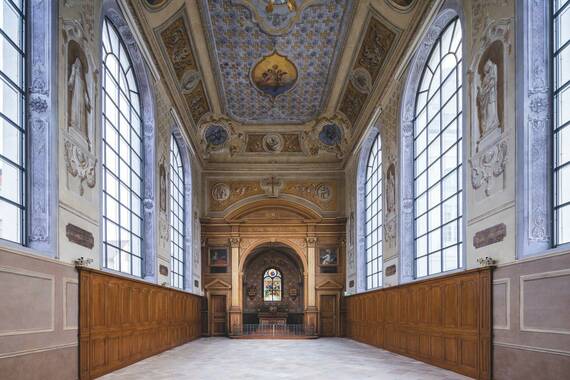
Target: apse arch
column 256, row 244
column 450, row 10
column 255, row 208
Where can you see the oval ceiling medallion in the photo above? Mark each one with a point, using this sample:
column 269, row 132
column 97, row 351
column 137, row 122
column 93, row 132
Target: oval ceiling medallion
column 216, row 135
column 330, row 134
column 274, row 74
column 155, row 5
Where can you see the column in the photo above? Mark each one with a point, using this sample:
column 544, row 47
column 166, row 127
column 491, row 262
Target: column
column 235, row 308
column 311, row 311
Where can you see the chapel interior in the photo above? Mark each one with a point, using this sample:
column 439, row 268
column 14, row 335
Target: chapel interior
column 297, row 189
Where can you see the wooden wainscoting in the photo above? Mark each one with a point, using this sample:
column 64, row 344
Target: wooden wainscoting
column 122, row 321
column 445, row 321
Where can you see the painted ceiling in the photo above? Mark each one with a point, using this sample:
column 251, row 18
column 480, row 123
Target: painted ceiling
column 275, row 67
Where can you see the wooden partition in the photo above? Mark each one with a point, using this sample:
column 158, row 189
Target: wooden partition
column 444, row 321
column 122, row 321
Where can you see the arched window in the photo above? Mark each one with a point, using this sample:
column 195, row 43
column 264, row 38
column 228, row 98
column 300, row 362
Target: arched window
column 122, row 157
column 438, row 156
column 373, row 210
column 177, row 220
column 13, row 62
column 272, row 285
column 561, row 93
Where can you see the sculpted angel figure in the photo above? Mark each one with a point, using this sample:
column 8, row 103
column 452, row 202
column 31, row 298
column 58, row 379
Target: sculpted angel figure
column 79, row 101
column 487, row 99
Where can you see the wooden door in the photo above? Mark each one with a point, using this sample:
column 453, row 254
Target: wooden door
column 218, row 315
column 328, row 315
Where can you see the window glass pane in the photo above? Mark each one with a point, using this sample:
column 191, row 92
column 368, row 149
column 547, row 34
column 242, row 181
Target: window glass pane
column 121, row 194
column 443, row 147
column 561, row 61
column 177, row 220
column 374, row 215
column 12, row 127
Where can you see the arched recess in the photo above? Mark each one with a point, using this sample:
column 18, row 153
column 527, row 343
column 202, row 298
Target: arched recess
column 112, row 11
column 269, row 208
column 253, row 245
column 449, row 10
column 188, row 219
column 360, row 221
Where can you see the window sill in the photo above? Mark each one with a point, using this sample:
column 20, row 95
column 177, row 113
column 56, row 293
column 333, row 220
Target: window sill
column 11, row 247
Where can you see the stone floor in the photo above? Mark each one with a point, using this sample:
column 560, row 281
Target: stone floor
column 325, row 358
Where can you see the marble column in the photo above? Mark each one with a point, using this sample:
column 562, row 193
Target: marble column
column 235, row 308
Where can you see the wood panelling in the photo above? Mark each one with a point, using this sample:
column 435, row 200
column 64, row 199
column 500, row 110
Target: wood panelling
column 122, row 321
column 444, row 321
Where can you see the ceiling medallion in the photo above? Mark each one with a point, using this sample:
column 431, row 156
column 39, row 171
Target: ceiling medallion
column 291, row 5
column 216, row 135
column 273, row 143
column 330, row 134
column 274, row 74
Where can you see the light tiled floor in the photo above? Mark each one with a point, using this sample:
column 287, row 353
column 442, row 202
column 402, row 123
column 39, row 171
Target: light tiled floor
column 325, row 358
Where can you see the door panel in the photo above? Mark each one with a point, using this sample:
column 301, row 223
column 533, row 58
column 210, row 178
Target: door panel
column 328, row 315
column 219, row 315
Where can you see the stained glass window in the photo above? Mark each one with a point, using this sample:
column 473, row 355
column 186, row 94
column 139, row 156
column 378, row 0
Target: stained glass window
column 12, row 126
column 176, row 216
column 122, row 158
column 561, row 76
column 373, row 202
column 438, row 177
column 272, row 285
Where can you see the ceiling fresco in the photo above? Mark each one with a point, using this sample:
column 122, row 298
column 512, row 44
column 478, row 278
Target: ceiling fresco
column 275, row 67
column 377, row 45
column 177, row 47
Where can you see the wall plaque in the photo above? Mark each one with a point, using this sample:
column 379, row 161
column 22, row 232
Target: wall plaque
column 79, row 236
column 490, row 235
column 351, row 284
column 391, row 270
column 163, row 269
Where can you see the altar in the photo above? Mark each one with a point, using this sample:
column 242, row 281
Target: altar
column 272, row 318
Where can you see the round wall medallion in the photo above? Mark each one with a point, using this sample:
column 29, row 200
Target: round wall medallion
column 330, row 134
column 324, row 192
column 216, row 135
column 273, row 143
column 220, row 192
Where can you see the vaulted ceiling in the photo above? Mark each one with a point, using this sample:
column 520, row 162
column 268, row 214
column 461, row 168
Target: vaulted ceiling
column 280, row 82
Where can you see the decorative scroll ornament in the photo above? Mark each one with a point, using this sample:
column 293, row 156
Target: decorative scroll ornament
column 79, row 164
column 486, row 167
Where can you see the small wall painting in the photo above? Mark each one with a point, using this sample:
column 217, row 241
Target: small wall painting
column 328, row 256
column 218, row 257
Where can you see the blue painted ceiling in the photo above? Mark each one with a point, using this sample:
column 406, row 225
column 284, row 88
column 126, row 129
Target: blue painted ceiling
column 242, row 32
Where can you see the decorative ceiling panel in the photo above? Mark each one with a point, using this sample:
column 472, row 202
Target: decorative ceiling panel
column 376, row 47
column 275, row 67
column 177, row 46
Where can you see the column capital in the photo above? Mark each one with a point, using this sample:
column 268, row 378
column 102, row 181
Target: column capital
column 234, row 242
column 311, row 241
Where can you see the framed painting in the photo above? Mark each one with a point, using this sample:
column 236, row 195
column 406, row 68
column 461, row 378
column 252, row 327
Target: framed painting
column 218, row 257
column 328, row 256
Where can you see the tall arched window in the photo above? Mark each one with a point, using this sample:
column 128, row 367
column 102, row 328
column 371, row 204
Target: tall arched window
column 122, row 158
column 438, row 157
column 272, row 285
column 12, row 125
column 373, row 212
column 177, row 222
column 561, row 92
